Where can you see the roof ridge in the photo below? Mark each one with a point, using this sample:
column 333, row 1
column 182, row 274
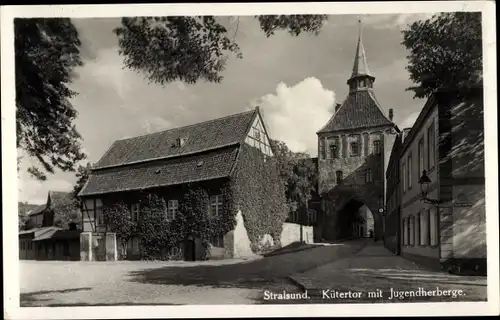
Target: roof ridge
column 190, row 125
column 377, row 104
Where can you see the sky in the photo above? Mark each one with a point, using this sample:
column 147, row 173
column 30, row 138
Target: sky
column 294, row 80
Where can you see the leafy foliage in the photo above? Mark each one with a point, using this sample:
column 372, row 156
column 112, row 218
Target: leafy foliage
column 293, row 24
column 119, row 221
column 192, row 48
column 46, row 52
column 300, row 175
column 259, row 192
column 446, row 59
column 445, row 52
column 160, row 236
column 82, row 175
column 67, row 212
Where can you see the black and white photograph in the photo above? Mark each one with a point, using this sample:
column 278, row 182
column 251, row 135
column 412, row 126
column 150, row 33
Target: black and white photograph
column 301, row 159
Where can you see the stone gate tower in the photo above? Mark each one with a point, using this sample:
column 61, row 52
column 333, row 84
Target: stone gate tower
column 353, row 152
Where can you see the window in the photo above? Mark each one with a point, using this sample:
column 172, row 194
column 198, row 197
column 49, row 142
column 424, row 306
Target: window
column 172, row 209
column 412, row 231
column 216, row 205
column 256, row 134
column 420, row 156
column 409, row 168
column 424, row 232
column 431, row 146
column 322, row 148
column 217, row 241
column 434, row 232
column 334, row 151
column 368, row 175
column 417, row 230
column 405, row 232
column 134, row 212
column 354, row 149
column 376, row 147
column 339, row 177
column 403, row 166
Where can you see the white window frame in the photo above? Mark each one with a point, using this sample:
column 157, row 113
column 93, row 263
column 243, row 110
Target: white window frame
column 216, row 202
column 134, row 212
column 172, row 209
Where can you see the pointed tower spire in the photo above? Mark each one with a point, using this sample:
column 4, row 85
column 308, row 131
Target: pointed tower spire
column 360, row 65
column 361, row 76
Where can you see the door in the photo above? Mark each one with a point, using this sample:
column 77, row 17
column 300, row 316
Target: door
column 189, row 250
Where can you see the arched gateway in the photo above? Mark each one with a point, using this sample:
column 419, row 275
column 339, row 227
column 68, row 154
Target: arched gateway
column 353, row 152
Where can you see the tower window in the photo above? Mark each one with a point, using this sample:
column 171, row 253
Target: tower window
column 339, row 176
column 354, row 149
column 376, row 147
column 334, row 151
column 368, row 175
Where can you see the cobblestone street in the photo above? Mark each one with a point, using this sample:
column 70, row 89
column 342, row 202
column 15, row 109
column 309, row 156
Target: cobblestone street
column 143, row 283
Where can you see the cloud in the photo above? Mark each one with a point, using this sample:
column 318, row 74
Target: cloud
column 386, row 21
column 294, row 114
column 409, row 121
column 35, row 191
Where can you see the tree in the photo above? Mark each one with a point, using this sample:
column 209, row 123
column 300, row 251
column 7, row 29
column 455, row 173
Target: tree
column 46, row 52
column 165, row 49
column 446, row 59
column 192, row 48
column 299, row 172
column 445, row 52
column 67, row 212
column 82, row 174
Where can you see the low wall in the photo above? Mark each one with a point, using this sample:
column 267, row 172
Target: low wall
column 291, row 233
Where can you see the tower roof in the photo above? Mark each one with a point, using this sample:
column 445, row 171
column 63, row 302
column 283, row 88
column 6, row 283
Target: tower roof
column 360, row 67
column 359, row 110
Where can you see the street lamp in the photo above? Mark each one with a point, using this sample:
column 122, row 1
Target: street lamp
column 425, row 183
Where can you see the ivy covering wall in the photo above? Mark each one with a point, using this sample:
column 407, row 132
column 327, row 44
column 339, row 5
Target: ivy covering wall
column 259, row 192
column 255, row 188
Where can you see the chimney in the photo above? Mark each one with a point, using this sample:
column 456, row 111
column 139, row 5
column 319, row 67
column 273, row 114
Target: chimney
column 391, row 114
column 337, row 106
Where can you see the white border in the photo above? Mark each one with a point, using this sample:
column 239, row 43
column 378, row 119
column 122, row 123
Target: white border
column 10, row 248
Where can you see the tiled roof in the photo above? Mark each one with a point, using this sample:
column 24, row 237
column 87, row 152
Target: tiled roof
column 38, row 209
column 59, row 198
column 45, row 233
column 57, row 233
column 201, row 137
column 198, row 167
column 359, row 110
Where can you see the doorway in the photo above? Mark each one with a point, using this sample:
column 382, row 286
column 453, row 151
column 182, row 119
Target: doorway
column 189, row 250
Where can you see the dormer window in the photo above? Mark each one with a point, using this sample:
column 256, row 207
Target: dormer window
column 179, row 142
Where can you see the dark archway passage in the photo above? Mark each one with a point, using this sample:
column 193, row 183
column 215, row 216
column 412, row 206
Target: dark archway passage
column 353, row 219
